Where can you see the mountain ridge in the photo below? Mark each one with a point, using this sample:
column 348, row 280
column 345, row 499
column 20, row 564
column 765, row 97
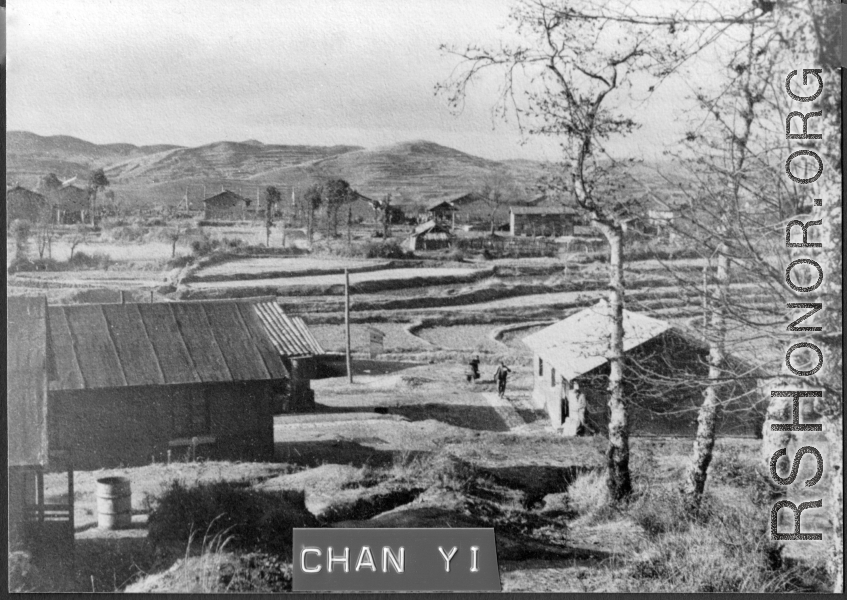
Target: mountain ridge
column 414, row 170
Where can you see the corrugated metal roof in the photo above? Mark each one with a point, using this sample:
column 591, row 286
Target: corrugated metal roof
column 116, row 345
column 580, row 343
column 26, row 381
column 289, row 335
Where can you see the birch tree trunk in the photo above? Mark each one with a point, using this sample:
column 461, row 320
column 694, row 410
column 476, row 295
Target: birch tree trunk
column 617, row 455
column 830, row 341
column 707, row 419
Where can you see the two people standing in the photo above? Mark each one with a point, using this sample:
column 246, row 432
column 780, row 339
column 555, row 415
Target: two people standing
column 500, row 376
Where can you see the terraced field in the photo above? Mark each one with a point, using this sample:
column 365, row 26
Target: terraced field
column 256, row 267
column 332, row 337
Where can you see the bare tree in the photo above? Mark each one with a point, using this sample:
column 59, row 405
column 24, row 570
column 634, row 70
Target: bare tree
column 21, row 231
column 313, row 198
column 272, row 199
column 742, row 196
column 385, row 215
column 173, row 235
column 336, row 193
column 569, row 71
column 499, row 191
column 77, row 238
column 97, row 180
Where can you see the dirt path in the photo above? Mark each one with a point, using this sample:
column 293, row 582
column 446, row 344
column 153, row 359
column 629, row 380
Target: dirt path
column 505, row 409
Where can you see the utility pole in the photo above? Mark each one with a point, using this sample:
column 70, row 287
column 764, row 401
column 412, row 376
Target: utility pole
column 347, row 323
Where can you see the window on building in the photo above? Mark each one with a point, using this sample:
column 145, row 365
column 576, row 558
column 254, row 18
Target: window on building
column 540, row 366
column 553, row 377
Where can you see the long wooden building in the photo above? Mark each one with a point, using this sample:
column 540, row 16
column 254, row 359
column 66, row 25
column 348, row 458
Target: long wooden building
column 130, row 382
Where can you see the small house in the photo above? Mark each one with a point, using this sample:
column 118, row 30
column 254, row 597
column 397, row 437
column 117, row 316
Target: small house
column 134, row 383
column 664, row 376
column 430, row 236
column 226, row 206
column 44, row 528
column 362, row 209
column 25, row 204
column 442, row 212
column 70, row 205
column 555, row 221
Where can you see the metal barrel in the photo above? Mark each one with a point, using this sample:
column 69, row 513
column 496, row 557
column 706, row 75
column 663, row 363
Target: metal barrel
column 114, row 503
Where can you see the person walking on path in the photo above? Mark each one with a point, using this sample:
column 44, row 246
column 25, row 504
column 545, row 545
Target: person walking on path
column 474, row 368
column 500, row 376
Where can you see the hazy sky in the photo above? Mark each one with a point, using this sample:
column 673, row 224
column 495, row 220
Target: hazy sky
column 322, row 72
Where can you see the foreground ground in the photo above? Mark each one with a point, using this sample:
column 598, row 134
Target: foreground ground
column 419, row 447
column 412, row 444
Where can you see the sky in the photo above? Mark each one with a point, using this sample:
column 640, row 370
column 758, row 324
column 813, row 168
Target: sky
column 317, row 72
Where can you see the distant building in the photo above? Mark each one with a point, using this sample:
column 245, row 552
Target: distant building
column 25, row 204
column 70, row 205
column 362, row 210
column 666, row 372
column 45, row 529
column 226, row 206
column 430, row 236
column 555, row 221
column 442, row 212
column 300, row 351
column 130, row 382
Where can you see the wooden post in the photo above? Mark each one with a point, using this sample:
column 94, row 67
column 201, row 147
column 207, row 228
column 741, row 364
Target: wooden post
column 71, row 496
column 151, row 296
column 39, row 496
column 347, row 323
column 123, row 297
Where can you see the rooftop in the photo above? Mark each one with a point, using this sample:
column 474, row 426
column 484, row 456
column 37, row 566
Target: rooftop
column 542, row 210
column 289, row 335
column 580, row 343
column 119, row 345
column 26, row 381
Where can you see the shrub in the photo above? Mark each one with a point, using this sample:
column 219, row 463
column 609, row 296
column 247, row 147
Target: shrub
column 719, row 549
column 387, row 249
column 155, row 222
column 232, row 243
column 456, row 255
column 588, row 493
column 20, row 265
column 252, row 519
column 83, row 260
column 127, row 233
column 661, row 510
column 204, row 246
column 178, row 262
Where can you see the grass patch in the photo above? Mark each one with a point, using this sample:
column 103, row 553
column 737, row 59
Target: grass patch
column 251, row 519
column 717, row 548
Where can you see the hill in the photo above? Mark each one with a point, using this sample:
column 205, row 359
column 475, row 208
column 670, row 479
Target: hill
column 28, row 155
column 419, row 170
column 415, row 172
column 228, row 160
